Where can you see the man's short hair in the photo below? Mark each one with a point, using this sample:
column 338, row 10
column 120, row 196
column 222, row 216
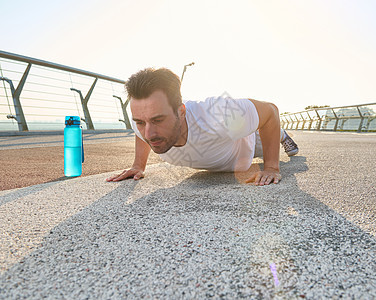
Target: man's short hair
column 145, row 82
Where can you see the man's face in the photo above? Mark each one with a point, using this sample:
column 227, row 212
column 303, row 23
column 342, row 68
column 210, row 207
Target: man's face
column 156, row 121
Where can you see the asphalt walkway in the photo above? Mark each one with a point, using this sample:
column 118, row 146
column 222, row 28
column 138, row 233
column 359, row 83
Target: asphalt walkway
column 190, row 234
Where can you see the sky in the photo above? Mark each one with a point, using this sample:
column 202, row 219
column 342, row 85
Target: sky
column 293, row 53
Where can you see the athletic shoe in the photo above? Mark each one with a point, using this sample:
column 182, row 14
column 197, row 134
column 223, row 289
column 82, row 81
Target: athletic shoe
column 291, row 148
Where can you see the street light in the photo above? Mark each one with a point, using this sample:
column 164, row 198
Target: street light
column 185, row 69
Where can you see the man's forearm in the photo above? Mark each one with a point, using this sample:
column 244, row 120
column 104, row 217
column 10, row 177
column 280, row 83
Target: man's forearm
column 270, row 134
column 142, row 151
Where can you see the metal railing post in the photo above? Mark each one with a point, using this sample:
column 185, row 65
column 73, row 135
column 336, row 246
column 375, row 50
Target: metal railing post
column 297, row 122
column 320, row 120
column 369, row 120
column 19, row 117
column 124, row 108
column 287, row 122
column 292, row 122
column 304, row 121
column 84, row 101
column 343, row 124
column 337, row 119
column 283, row 122
column 361, row 120
column 311, row 121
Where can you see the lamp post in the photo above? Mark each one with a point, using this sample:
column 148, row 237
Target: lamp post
column 185, row 69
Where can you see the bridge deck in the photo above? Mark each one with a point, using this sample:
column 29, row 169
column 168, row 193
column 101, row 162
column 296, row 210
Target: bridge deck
column 183, row 233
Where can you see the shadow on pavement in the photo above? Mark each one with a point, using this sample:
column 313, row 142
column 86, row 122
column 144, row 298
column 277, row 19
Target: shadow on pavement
column 196, row 234
column 15, row 194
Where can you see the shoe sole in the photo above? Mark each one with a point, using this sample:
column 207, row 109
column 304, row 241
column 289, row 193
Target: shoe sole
column 292, row 153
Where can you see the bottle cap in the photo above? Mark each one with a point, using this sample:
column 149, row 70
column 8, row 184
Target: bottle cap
column 72, row 120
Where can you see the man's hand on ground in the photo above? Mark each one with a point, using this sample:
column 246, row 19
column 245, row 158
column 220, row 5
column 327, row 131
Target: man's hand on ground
column 264, row 177
column 134, row 173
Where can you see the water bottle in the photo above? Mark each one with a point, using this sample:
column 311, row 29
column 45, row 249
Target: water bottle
column 73, row 147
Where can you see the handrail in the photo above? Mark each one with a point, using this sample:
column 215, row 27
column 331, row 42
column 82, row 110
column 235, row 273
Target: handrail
column 48, row 64
column 333, row 119
column 329, row 107
column 29, row 109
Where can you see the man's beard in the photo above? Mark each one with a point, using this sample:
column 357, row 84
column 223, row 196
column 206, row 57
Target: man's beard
column 167, row 142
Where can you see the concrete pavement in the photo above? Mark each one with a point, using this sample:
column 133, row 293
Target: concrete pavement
column 190, row 234
column 33, row 159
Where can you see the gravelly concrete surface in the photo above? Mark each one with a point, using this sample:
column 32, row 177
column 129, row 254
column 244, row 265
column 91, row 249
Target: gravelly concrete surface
column 30, row 160
column 188, row 234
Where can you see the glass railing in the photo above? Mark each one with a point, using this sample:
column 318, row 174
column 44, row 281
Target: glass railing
column 359, row 118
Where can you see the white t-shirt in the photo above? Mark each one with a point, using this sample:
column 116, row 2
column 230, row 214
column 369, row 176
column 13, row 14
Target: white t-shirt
column 221, row 135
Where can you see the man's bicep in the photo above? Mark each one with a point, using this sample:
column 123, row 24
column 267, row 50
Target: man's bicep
column 265, row 111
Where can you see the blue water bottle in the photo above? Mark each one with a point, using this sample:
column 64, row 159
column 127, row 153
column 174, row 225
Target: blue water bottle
column 73, row 147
